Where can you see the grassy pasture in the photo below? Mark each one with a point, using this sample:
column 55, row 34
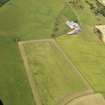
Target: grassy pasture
column 54, row 77
column 14, row 86
column 86, row 50
column 20, row 19
column 29, row 18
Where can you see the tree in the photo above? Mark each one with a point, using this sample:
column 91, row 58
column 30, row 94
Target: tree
column 2, row 2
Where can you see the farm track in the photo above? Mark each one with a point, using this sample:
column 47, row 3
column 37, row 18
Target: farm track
column 32, row 82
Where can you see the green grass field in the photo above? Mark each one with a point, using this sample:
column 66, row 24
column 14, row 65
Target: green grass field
column 29, row 19
column 54, row 77
column 32, row 19
column 86, row 50
column 20, row 19
column 14, row 86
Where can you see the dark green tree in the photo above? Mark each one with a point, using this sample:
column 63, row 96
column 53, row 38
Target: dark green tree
column 2, row 2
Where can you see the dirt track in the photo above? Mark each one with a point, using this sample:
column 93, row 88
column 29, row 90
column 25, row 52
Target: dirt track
column 32, row 82
column 91, row 99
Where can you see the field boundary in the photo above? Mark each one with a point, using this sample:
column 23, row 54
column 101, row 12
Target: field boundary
column 29, row 75
column 32, row 83
column 75, row 68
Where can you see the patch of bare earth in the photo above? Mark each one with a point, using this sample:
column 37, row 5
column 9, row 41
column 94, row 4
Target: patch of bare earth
column 93, row 99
